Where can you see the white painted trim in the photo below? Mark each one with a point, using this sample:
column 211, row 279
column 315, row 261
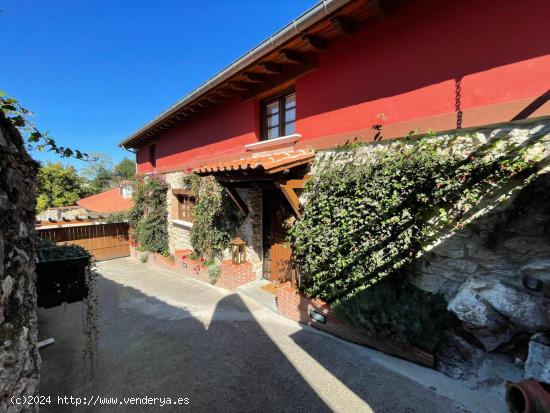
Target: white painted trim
column 289, row 139
column 182, row 223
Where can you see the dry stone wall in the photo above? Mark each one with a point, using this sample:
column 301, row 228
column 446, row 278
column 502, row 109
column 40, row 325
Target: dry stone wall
column 19, row 358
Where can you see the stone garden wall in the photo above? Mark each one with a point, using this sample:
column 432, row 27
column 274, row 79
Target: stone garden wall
column 19, row 358
column 481, row 270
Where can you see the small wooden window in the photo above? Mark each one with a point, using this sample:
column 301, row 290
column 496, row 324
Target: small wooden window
column 279, row 116
column 153, row 155
column 185, row 207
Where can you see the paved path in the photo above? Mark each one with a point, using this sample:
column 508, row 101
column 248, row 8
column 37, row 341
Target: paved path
column 163, row 335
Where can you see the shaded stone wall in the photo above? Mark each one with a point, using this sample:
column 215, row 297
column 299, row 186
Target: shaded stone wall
column 250, row 229
column 19, row 358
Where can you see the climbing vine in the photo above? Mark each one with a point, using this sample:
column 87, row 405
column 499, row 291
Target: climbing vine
column 148, row 218
column 214, row 218
column 369, row 218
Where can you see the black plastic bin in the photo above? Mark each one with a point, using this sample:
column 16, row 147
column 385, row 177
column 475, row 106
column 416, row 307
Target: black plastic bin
column 61, row 281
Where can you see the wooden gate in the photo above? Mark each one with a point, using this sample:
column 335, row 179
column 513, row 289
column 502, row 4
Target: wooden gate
column 104, row 241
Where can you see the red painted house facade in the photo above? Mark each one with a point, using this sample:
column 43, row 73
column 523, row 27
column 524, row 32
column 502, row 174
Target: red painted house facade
column 347, row 71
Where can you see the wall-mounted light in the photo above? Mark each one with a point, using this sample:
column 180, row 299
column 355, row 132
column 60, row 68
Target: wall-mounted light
column 317, row 316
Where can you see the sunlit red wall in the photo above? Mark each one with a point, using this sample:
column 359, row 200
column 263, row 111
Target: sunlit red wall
column 402, row 69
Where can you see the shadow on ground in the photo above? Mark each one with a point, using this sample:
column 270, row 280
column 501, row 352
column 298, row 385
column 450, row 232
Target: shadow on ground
column 223, row 361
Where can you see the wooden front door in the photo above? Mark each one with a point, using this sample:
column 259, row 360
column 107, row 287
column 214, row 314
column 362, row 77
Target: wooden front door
column 276, row 253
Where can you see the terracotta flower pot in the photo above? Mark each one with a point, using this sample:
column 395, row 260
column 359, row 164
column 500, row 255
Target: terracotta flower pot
column 528, row 396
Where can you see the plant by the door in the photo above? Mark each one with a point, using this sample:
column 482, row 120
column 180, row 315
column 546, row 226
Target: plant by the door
column 215, row 219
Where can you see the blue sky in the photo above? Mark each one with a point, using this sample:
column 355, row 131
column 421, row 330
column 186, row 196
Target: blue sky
column 93, row 71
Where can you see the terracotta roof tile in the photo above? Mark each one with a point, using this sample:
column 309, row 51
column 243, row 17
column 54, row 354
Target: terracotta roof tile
column 107, row 202
column 269, row 163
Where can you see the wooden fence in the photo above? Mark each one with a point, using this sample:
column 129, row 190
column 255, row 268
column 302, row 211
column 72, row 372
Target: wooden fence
column 104, row 241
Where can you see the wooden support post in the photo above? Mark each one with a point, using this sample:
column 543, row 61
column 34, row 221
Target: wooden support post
column 289, row 191
column 232, row 192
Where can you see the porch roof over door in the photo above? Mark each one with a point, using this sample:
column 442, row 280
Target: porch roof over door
column 264, row 163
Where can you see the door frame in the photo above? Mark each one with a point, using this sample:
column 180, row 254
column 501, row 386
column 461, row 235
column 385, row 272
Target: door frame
column 267, row 227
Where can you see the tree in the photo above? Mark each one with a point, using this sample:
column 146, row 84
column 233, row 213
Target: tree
column 59, row 185
column 102, row 181
column 99, row 172
column 126, row 168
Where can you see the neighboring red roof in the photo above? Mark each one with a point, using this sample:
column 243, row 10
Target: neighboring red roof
column 269, row 164
column 106, row 202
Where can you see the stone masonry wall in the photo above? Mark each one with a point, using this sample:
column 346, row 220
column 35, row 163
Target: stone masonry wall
column 19, row 358
column 250, row 229
column 481, row 270
column 179, row 233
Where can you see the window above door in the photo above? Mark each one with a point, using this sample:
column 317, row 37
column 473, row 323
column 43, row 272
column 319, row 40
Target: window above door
column 279, row 116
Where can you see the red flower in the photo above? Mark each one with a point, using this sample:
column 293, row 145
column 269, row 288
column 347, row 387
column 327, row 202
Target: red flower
column 202, row 259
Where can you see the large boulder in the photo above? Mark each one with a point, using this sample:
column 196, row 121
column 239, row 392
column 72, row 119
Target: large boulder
column 459, row 359
column 537, row 365
column 494, row 311
column 479, row 317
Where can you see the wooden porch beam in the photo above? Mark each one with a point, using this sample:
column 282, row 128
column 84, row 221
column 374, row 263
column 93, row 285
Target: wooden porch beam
column 292, row 199
column 232, row 192
column 289, row 191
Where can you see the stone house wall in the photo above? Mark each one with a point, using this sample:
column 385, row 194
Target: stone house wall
column 481, row 268
column 179, row 232
column 19, row 358
column 250, row 229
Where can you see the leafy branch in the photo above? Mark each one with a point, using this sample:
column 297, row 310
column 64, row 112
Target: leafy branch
column 41, row 141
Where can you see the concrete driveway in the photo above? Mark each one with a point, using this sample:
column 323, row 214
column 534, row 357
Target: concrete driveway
column 166, row 336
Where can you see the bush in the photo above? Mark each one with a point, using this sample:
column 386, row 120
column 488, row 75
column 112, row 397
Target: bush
column 400, row 312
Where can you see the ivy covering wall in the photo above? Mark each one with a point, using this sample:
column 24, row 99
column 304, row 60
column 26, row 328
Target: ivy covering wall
column 370, row 211
column 149, row 217
column 214, row 217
